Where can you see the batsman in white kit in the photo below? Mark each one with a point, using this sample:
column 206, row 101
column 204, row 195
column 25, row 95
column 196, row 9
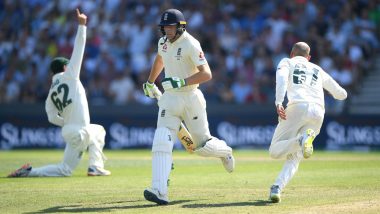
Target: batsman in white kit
column 301, row 121
column 67, row 107
column 185, row 68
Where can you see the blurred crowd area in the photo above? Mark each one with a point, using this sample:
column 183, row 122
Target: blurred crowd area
column 243, row 42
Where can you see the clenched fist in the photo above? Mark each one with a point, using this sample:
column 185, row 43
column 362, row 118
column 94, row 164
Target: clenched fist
column 82, row 18
column 173, row 82
column 151, row 90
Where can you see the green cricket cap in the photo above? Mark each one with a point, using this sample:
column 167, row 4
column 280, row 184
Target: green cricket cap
column 56, row 66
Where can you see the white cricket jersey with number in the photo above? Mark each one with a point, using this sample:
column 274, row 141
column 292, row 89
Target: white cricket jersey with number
column 181, row 57
column 304, row 81
column 67, row 102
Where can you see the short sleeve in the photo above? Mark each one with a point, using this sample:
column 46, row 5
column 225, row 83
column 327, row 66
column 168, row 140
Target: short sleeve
column 196, row 54
column 161, row 46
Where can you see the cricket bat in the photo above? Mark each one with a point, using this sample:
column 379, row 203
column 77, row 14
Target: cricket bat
column 185, row 138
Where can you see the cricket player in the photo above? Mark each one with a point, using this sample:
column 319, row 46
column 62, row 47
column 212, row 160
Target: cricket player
column 302, row 119
column 67, row 107
column 185, row 68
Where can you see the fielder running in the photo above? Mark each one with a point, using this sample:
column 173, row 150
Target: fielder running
column 301, row 121
column 185, row 68
column 67, row 107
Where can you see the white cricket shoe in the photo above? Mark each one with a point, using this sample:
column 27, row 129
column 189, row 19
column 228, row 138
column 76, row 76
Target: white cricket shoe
column 275, row 194
column 229, row 163
column 307, row 143
column 96, row 171
column 154, row 195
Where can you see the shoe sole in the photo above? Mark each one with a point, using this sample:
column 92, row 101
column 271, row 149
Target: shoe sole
column 96, row 175
column 153, row 198
column 308, row 145
column 88, row 174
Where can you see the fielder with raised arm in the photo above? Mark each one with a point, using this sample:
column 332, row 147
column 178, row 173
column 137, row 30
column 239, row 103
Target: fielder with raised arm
column 301, row 121
column 67, row 107
column 185, row 68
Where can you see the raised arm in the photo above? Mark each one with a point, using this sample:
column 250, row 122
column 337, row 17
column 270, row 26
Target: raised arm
column 79, row 45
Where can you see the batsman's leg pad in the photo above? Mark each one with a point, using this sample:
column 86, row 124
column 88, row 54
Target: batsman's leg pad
column 161, row 168
column 162, row 159
column 163, row 140
column 214, row 148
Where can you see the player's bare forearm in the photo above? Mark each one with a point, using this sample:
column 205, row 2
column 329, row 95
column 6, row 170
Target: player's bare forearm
column 202, row 76
column 157, row 67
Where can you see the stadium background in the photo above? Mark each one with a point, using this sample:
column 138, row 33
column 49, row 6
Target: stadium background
column 243, row 41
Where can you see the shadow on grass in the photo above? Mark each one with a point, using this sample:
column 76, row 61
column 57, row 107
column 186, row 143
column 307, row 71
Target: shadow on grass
column 237, row 204
column 93, row 208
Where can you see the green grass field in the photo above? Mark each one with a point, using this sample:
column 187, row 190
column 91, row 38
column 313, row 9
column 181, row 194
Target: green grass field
column 329, row 182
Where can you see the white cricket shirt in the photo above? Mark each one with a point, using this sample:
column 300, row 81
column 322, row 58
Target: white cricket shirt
column 67, row 102
column 304, row 81
column 181, row 57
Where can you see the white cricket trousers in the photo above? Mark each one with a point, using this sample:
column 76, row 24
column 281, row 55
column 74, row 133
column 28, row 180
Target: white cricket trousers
column 78, row 139
column 286, row 138
column 189, row 106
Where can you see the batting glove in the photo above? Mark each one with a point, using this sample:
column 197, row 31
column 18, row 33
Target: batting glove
column 151, row 90
column 172, row 82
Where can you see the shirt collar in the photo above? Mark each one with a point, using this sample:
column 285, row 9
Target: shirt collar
column 184, row 35
column 300, row 58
